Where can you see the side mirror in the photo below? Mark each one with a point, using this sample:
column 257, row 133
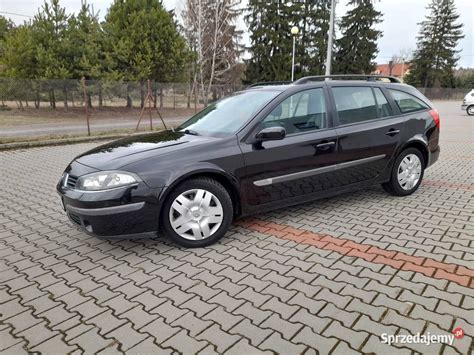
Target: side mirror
column 271, row 134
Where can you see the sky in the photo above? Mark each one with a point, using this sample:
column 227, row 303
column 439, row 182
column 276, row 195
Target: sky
column 400, row 21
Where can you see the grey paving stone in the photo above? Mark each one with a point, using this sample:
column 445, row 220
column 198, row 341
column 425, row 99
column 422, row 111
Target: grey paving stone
column 185, row 344
column 127, row 336
column 192, row 324
column 160, row 330
column 275, row 341
column 63, row 277
column 354, row 338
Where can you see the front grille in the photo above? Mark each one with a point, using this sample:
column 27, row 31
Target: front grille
column 71, row 181
column 75, row 219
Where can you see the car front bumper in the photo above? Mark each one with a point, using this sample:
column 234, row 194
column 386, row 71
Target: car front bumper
column 128, row 211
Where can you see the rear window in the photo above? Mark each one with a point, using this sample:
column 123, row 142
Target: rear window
column 383, row 107
column 354, row 104
column 406, row 102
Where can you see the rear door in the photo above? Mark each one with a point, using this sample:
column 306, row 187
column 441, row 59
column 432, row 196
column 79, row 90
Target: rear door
column 369, row 131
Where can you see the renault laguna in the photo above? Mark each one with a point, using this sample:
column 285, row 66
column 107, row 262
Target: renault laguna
column 263, row 148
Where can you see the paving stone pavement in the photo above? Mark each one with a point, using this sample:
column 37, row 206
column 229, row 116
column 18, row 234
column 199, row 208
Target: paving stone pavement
column 324, row 277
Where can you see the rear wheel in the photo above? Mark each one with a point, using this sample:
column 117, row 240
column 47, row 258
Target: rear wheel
column 470, row 110
column 197, row 213
column 407, row 173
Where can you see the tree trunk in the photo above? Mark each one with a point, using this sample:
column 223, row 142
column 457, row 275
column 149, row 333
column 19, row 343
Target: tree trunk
column 161, row 97
column 142, row 94
column 129, row 99
column 101, row 101
column 37, row 99
column 53, row 99
column 188, row 103
column 65, row 98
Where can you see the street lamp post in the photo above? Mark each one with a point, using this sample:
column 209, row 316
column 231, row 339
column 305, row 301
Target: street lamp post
column 294, row 32
column 330, row 38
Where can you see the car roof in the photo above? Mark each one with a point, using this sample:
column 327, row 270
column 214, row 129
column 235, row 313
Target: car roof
column 329, row 80
column 284, row 87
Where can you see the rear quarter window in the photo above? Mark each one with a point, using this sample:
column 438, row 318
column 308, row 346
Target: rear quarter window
column 406, row 102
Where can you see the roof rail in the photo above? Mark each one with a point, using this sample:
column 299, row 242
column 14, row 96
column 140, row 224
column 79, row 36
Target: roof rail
column 308, row 79
column 268, row 83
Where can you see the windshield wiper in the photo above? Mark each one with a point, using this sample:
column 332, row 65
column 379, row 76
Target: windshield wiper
column 190, row 131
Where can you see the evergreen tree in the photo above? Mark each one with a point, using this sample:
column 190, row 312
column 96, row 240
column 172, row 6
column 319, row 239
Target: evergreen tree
column 6, row 26
column 435, row 58
column 87, row 43
column 143, row 41
column 19, row 53
column 311, row 45
column 271, row 40
column 357, row 48
column 50, row 36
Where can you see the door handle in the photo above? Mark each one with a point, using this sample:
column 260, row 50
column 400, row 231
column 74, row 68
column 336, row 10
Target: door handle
column 392, row 132
column 325, row 145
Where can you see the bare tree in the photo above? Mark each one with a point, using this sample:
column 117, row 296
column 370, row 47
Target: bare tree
column 403, row 57
column 211, row 29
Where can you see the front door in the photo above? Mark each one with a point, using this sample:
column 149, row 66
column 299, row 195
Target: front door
column 298, row 165
column 369, row 131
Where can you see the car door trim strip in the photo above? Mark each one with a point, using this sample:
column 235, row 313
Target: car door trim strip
column 317, row 171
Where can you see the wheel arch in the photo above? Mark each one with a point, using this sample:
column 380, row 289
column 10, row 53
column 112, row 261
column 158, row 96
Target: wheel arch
column 419, row 144
column 226, row 180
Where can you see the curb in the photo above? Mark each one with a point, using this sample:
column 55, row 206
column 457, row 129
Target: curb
column 64, row 141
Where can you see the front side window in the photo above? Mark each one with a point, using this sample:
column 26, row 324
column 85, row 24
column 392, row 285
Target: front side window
column 354, row 104
column 228, row 115
column 302, row 112
column 406, row 102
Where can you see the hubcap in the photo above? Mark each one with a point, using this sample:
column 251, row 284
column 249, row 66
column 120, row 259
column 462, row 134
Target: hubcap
column 196, row 214
column 409, row 172
column 471, row 110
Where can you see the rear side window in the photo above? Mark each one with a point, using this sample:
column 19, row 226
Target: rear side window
column 354, row 104
column 383, row 107
column 406, row 102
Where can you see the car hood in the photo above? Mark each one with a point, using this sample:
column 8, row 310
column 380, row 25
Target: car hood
column 118, row 154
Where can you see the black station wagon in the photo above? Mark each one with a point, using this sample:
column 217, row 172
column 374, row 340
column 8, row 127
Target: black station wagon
column 262, row 148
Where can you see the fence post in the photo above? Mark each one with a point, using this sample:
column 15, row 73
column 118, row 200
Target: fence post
column 174, row 97
column 86, row 105
column 150, row 99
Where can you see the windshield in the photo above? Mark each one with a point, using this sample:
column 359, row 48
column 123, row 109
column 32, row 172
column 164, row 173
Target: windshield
column 228, row 115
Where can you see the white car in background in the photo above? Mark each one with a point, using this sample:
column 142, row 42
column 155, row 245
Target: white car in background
column 468, row 103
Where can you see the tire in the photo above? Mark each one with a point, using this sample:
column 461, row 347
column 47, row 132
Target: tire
column 470, row 110
column 197, row 213
column 399, row 188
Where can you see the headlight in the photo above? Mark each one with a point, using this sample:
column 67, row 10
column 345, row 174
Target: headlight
column 105, row 180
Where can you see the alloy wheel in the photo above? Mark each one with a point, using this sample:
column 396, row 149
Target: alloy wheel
column 196, row 214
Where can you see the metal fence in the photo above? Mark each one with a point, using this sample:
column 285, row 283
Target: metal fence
column 29, row 93
column 444, row 93
column 76, row 107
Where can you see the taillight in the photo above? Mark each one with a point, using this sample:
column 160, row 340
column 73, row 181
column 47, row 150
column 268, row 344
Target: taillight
column 435, row 116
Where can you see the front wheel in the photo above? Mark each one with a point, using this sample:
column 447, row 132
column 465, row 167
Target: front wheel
column 407, row 173
column 470, row 110
column 197, row 213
